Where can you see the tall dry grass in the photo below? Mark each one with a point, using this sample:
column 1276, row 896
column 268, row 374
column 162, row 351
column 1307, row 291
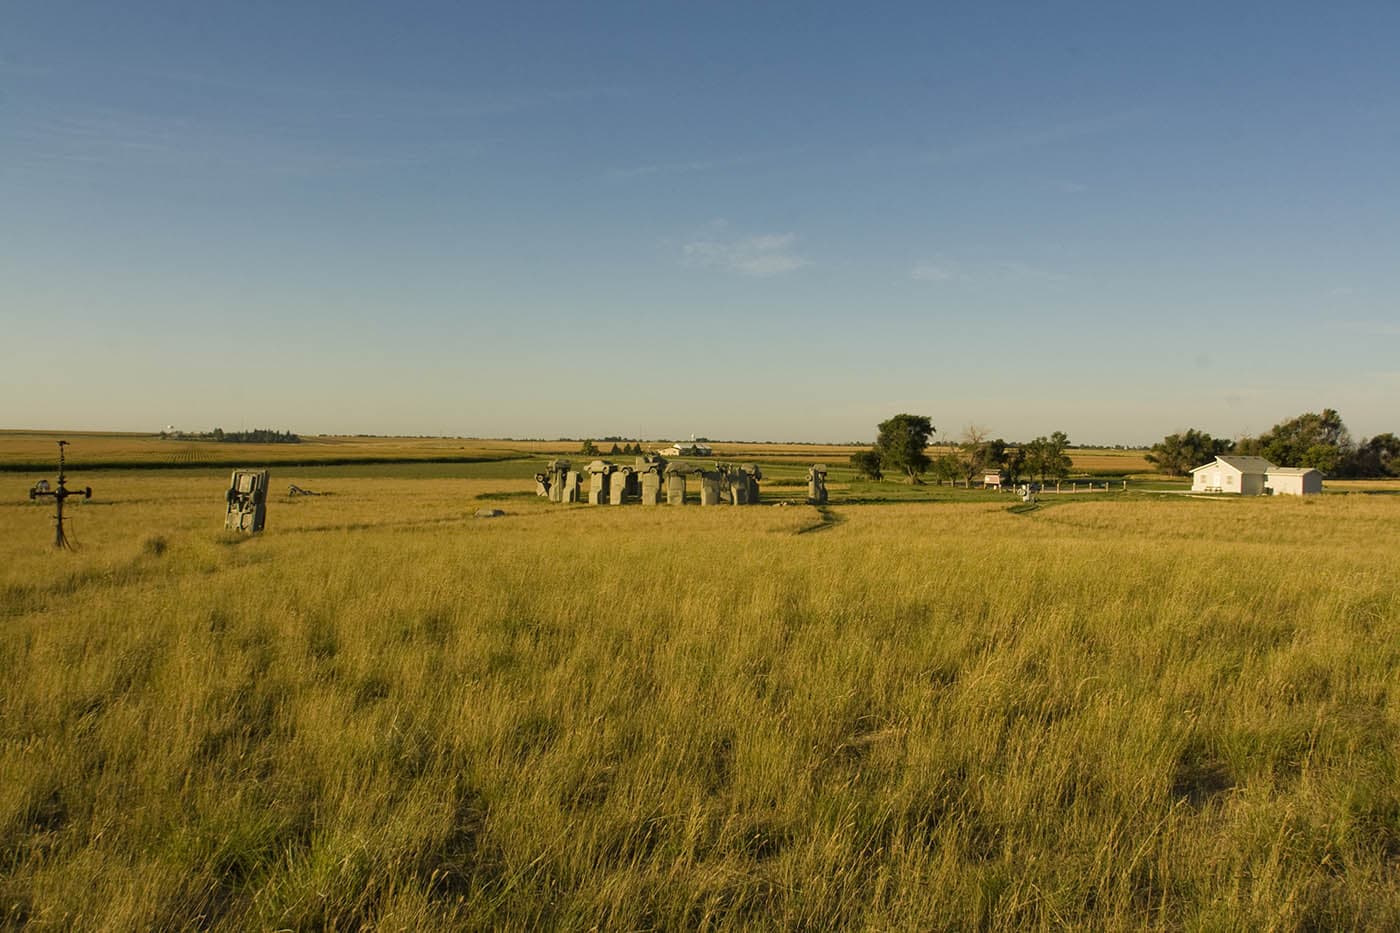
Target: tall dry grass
column 386, row 714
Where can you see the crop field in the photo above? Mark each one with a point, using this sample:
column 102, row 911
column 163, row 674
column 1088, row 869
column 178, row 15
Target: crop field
column 34, row 450
column 1113, row 711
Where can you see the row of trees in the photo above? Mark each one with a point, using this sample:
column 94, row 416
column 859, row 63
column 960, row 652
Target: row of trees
column 1317, row 440
column 902, row 445
column 590, row 449
column 255, row 436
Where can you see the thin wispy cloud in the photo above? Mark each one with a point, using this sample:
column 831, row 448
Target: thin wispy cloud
column 690, row 166
column 255, row 123
column 760, row 256
column 941, row 269
column 349, row 96
column 16, row 68
column 677, row 168
column 1018, row 140
column 934, row 271
column 1369, row 328
column 535, row 99
column 1015, row 270
column 123, row 139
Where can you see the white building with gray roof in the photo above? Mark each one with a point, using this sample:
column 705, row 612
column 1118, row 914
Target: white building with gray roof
column 1243, row 476
column 1254, row 476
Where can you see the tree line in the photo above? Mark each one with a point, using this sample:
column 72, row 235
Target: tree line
column 1317, row 440
column 590, row 449
column 255, row 436
column 901, row 448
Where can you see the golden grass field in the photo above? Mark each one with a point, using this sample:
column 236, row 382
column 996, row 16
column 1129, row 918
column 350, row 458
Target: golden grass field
column 1112, row 712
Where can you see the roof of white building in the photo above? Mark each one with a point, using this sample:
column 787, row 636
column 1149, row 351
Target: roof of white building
column 1243, row 464
column 1291, row 471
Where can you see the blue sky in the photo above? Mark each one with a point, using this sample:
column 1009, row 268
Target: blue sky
column 782, row 221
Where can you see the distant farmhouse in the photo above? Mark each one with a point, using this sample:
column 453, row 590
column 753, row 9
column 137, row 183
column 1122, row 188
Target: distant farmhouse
column 1254, row 476
column 687, row 449
column 1242, row 475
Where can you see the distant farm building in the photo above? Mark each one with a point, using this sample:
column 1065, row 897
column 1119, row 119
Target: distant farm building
column 687, row 449
column 1241, row 475
column 1293, row 481
column 1254, row 476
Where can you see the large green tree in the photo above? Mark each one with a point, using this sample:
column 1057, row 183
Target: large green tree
column 1046, row 457
column 1309, row 440
column 1015, row 464
column 1177, row 454
column 867, row 463
column 1378, row 456
column 902, row 444
column 980, row 454
column 947, row 466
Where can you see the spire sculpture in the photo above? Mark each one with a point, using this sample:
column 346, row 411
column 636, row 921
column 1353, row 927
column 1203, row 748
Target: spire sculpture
column 60, row 540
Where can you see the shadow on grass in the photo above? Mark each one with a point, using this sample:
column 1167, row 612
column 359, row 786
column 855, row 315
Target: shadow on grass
column 826, row 519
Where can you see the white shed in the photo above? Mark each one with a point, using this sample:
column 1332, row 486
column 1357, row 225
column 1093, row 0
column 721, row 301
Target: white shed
column 1243, row 476
column 1293, row 481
